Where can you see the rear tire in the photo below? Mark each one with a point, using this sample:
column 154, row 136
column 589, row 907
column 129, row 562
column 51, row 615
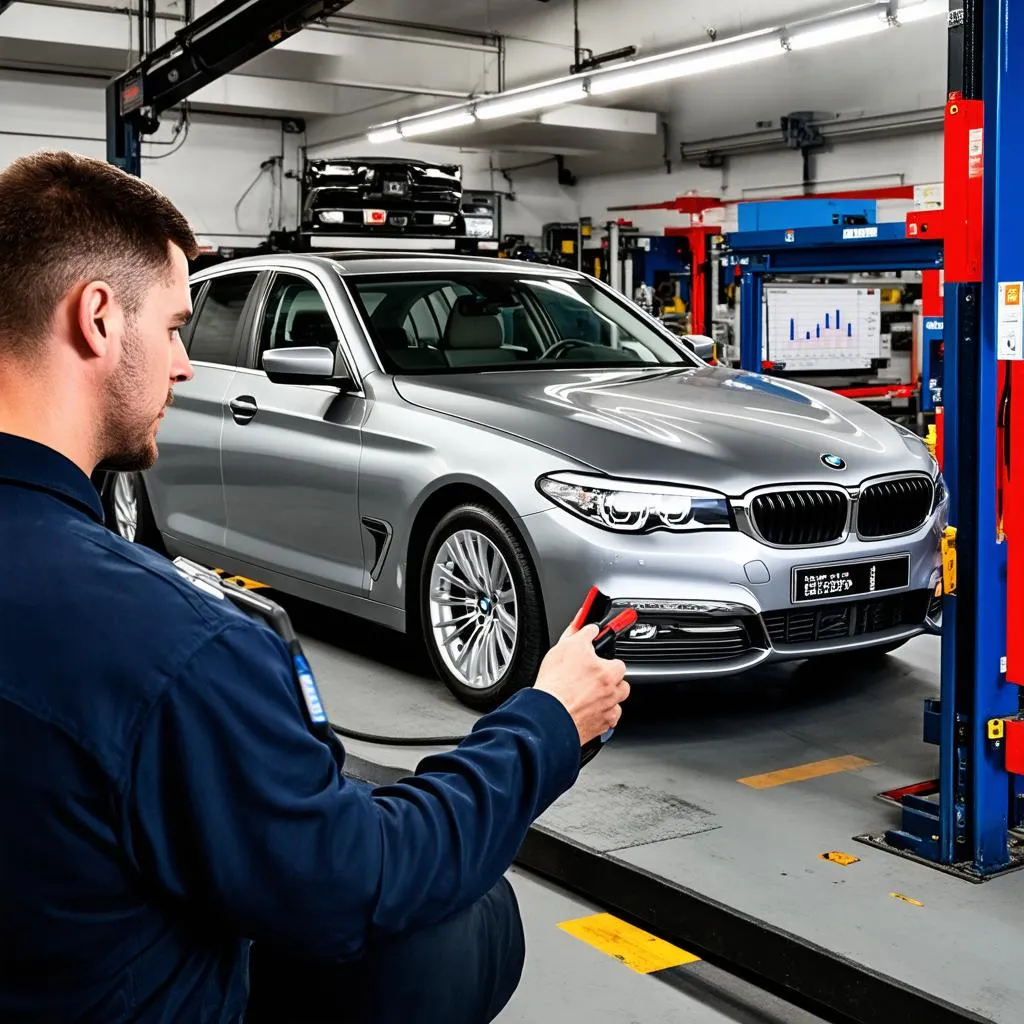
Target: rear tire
column 128, row 511
column 480, row 610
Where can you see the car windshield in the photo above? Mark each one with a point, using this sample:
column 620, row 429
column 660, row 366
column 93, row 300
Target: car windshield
column 479, row 320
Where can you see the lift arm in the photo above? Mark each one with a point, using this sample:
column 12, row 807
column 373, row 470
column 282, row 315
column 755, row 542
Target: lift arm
column 214, row 44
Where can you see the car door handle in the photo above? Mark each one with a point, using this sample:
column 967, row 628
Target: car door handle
column 243, row 408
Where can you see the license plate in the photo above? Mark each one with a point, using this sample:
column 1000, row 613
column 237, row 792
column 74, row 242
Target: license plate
column 850, row 579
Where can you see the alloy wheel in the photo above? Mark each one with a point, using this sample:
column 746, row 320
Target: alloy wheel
column 126, row 506
column 473, row 609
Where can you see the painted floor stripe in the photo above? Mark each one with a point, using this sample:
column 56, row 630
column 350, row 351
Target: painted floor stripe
column 243, row 581
column 803, row 772
column 637, row 949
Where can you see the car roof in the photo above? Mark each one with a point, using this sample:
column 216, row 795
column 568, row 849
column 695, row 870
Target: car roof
column 396, row 161
column 355, row 262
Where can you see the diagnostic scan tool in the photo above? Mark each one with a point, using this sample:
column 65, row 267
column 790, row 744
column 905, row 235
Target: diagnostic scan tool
column 598, row 608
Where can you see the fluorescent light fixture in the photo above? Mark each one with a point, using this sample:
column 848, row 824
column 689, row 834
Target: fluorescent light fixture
column 440, row 123
column 840, row 29
column 711, row 58
column 914, row 12
column 532, row 99
column 844, row 26
column 381, row 135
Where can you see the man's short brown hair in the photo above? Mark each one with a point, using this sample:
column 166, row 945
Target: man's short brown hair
column 67, row 219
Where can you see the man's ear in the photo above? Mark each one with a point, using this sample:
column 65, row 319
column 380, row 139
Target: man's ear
column 100, row 318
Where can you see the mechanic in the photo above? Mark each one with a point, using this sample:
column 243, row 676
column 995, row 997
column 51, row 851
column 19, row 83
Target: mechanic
column 164, row 810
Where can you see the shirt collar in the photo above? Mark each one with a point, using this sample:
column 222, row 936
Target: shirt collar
column 28, row 463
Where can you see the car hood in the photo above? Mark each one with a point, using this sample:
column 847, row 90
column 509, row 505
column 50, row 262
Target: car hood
column 710, row 426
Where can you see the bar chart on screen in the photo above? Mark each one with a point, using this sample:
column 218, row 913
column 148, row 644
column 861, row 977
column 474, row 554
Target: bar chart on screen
column 813, row 327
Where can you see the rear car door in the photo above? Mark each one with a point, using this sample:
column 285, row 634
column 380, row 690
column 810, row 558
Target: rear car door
column 185, row 486
column 291, row 451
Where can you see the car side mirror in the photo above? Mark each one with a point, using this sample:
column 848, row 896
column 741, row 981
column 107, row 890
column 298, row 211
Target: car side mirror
column 701, row 345
column 310, row 365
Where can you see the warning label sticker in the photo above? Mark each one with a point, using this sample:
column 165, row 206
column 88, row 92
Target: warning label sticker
column 1011, row 329
column 976, row 153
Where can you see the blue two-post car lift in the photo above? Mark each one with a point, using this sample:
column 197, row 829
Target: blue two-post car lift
column 976, row 241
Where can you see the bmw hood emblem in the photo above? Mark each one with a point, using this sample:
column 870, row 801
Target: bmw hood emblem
column 834, row 461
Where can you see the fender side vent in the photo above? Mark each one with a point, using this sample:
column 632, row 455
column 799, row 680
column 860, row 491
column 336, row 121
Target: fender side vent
column 380, row 534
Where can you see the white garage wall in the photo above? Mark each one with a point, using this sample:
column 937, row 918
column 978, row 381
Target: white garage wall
column 219, row 161
column 205, row 178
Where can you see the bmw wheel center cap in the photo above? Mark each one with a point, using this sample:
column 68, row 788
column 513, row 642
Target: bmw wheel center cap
column 834, row 461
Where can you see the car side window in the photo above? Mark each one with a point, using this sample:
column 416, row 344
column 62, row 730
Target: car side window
column 215, row 334
column 295, row 316
column 195, row 296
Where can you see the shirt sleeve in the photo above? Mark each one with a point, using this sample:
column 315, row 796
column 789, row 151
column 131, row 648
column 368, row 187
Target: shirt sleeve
column 240, row 814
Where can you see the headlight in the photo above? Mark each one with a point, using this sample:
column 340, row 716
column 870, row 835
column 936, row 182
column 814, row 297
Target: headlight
column 940, row 492
column 627, row 507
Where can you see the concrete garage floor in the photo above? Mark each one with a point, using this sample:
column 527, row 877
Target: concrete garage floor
column 589, row 985
column 667, row 795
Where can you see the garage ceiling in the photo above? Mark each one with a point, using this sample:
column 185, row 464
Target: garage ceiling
column 377, row 61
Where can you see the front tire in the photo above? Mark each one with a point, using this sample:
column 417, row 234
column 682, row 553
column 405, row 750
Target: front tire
column 480, row 608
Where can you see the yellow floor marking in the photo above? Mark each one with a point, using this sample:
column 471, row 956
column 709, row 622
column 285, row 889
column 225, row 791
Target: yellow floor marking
column 840, row 858
column 249, row 584
column 242, row 581
column 802, row 772
column 637, row 949
column 906, row 899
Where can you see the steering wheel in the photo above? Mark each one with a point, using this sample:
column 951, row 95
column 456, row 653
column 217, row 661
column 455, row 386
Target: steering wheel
column 563, row 346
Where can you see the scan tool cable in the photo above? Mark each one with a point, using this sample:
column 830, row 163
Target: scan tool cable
column 398, row 741
column 596, row 609
column 277, row 619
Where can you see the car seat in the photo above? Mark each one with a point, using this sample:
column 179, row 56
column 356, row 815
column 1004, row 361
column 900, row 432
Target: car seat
column 394, row 344
column 469, row 340
column 311, row 327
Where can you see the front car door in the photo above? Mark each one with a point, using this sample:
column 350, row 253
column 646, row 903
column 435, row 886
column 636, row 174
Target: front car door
column 185, row 486
column 291, row 451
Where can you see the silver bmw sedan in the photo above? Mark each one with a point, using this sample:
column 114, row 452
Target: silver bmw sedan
column 459, row 448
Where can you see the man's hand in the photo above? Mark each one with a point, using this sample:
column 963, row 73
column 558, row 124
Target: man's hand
column 591, row 688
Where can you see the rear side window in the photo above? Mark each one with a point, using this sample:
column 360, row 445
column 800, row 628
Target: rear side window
column 215, row 334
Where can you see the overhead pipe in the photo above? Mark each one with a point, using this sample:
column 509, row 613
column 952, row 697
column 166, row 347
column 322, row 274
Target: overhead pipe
column 393, row 37
column 464, row 33
column 143, row 49
column 333, row 24
column 927, row 119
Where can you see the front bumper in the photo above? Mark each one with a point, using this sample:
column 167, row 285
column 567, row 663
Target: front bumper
column 715, row 603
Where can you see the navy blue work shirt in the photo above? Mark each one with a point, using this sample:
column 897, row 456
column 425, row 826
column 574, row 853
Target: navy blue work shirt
column 162, row 804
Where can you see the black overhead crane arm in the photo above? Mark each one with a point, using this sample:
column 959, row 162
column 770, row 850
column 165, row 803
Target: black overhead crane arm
column 214, row 44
